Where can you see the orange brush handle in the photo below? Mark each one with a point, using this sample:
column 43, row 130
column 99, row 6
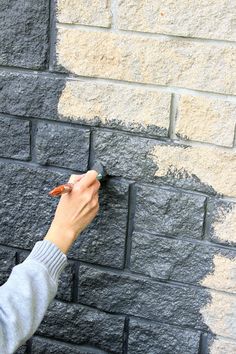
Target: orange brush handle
column 59, row 190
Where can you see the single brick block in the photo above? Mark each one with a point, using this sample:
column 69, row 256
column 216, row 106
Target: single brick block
column 30, row 95
column 103, row 242
column 189, row 19
column 207, row 120
column 149, row 337
column 26, row 210
column 118, row 106
column 188, row 167
column 223, row 222
column 95, row 13
column 7, row 261
column 160, row 211
column 142, row 297
column 15, row 135
column 183, row 261
column 80, row 325
column 24, row 33
column 168, row 62
column 63, row 146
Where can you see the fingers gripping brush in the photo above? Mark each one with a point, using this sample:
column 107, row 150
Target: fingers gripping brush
column 67, row 188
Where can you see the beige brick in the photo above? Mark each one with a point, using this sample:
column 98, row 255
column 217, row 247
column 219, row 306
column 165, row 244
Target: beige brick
column 213, row 19
column 222, row 346
column 133, row 58
column 116, row 105
column 213, row 166
column 207, row 120
column 84, row 12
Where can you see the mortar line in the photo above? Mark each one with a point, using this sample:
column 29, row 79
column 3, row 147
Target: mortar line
column 52, row 34
column 148, row 86
column 75, row 282
column 203, row 345
column 29, row 346
column 33, row 132
column 205, row 229
column 125, row 335
column 149, row 35
column 173, row 116
column 113, row 8
column 91, row 158
column 130, row 225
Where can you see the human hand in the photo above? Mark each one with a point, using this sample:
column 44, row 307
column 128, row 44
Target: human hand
column 75, row 210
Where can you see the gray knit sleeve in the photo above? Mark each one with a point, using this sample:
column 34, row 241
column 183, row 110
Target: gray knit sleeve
column 25, row 297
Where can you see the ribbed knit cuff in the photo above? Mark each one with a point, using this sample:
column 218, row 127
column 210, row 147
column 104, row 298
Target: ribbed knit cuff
column 50, row 256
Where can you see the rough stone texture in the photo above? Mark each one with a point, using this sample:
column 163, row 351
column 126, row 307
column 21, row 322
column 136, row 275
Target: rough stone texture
column 7, row 261
column 202, row 18
column 207, row 120
column 63, row 146
column 132, row 295
column 48, row 346
column 118, row 106
column 30, row 95
column 219, row 345
column 15, row 134
column 85, row 12
column 223, row 222
column 183, row 261
column 66, row 279
column 80, row 325
column 151, row 338
column 177, row 165
column 24, row 33
column 103, row 242
column 26, row 210
column 177, row 214
column 182, row 63
column 22, row 350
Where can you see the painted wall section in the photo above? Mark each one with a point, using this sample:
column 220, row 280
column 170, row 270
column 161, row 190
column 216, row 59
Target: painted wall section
column 149, row 89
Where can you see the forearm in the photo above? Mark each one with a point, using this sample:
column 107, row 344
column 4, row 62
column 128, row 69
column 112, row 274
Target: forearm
column 25, row 297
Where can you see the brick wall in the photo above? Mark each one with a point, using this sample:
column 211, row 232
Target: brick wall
column 148, row 88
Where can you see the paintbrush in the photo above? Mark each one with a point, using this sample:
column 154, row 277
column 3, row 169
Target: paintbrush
column 67, row 187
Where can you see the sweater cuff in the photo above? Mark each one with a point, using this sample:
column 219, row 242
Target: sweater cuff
column 48, row 254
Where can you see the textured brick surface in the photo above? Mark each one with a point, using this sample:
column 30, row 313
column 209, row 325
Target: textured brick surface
column 15, row 134
column 30, row 95
column 24, row 33
column 121, row 57
column 92, row 13
column 142, row 297
column 117, row 106
column 81, row 325
column 26, row 210
column 206, row 120
column 63, row 146
column 178, row 260
column 47, row 346
column 103, row 242
column 148, row 337
column 161, row 211
column 205, row 19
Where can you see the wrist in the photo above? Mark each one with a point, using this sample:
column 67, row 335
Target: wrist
column 62, row 237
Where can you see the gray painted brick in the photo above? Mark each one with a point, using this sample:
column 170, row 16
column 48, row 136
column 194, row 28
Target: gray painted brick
column 48, row 346
column 63, row 146
column 23, row 33
column 30, row 95
column 26, row 210
column 80, row 325
column 170, row 259
column 7, row 261
column 153, row 338
column 173, row 213
column 103, row 242
column 131, row 156
column 132, row 295
column 14, row 138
